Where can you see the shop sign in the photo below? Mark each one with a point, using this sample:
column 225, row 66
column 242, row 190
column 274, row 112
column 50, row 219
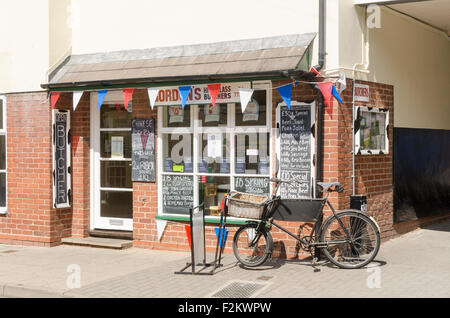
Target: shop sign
column 199, row 94
column 362, row 93
column 61, row 159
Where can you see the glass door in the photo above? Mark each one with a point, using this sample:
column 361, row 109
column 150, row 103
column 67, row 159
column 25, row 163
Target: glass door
column 113, row 189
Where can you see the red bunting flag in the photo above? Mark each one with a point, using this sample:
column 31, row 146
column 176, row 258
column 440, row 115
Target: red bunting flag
column 313, row 70
column 213, row 92
column 127, row 94
column 325, row 89
column 54, row 98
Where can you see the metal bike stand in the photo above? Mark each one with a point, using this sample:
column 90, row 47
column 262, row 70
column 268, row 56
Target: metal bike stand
column 198, row 231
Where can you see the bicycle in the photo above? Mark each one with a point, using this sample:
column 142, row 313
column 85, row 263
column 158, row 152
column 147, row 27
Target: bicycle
column 349, row 239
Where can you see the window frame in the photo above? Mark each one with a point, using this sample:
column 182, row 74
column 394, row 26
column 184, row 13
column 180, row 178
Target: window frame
column 3, row 132
column 357, row 119
column 230, row 130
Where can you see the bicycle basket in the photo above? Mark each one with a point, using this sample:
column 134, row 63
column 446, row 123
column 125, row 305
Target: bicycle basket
column 246, row 205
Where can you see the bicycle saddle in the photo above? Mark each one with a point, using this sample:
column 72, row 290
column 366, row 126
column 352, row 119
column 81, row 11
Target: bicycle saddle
column 328, row 185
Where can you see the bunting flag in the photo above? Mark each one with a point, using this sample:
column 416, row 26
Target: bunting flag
column 245, row 96
column 75, row 141
column 221, row 236
column 144, row 139
column 187, row 228
column 342, row 83
column 336, row 95
column 313, row 70
column 54, row 98
column 160, row 227
column 184, row 93
column 213, row 92
column 76, row 99
column 127, row 94
column 325, row 89
column 152, row 95
column 286, row 92
column 101, row 97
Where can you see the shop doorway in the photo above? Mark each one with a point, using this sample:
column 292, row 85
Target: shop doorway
column 111, row 185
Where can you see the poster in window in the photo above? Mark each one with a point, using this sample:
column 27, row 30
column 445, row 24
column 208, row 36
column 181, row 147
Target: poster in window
column 215, row 145
column 212, row 113
column 61, row 159
column 117, row 147
column 176, row 114
column 251, row 113
column 371, row 131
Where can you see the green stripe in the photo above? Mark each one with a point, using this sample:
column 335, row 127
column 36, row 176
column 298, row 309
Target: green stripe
column 208, row 219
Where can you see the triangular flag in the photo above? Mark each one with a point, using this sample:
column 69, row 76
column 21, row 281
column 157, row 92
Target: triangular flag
column 336, row 95
column 101, row 97
column 54, row 98
column 144, row 139
column 160, row 227
column 184, row 93
column 286, row 92
column 127, row 94
column 245, row 95
column 187, row 228
column 221, row 236
column 313, row 70
column 76, row 99
column 213, row 91
column 75, row 141
column 325, row 89
column 152, row 95
column 342, row 83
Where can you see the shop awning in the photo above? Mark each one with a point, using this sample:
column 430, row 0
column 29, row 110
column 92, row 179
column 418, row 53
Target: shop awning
column 265, row 57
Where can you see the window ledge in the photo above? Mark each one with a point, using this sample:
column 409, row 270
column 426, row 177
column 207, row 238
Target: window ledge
column 208, row 219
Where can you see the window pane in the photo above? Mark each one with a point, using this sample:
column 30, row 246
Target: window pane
column 115, row 144
column 178, row 194
column 2, row 190
column 214, row 153
column 115, row 115
column 372, row 127
column 2, row 152
column 116, row 204
column 176, row 116
column 1, row 113
column 211, row 191
column 252, row 153
column 116, row 174
column 255, row 113
column 213, row 116
column 177, row 153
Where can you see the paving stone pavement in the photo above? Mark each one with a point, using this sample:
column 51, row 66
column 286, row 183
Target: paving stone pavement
column 414, row 265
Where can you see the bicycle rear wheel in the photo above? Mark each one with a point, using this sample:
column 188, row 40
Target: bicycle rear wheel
column 252, row 246
column 352, row 239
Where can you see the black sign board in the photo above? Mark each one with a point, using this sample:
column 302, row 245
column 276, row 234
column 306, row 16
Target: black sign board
column 143, row 150
column 61, row 159
column 178, row 193
column 254, row 185
column 296, row 150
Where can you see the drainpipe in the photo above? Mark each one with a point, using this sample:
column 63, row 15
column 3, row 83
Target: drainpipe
column 319, row 163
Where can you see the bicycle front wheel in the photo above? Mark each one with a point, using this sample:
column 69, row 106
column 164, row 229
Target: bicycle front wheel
column 352, row 239
column 252, row 245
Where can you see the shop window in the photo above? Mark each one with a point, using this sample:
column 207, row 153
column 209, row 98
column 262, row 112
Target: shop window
column 371, row 131
column 3, row 184
column 208, row 151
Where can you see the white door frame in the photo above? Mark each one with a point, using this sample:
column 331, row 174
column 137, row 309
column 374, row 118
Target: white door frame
column 96, row 221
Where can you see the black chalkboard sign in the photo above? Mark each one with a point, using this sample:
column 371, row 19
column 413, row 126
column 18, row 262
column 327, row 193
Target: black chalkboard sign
column 178, row 193
column 296, row 150
column 61, row 159
column 254, row 185
column 143, row 150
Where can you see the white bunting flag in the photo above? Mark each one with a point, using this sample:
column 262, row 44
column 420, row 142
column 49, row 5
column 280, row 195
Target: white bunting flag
column 342, row 83
column 76, row 99
column 152, row 95
column 245, row 95
column 160, row 226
